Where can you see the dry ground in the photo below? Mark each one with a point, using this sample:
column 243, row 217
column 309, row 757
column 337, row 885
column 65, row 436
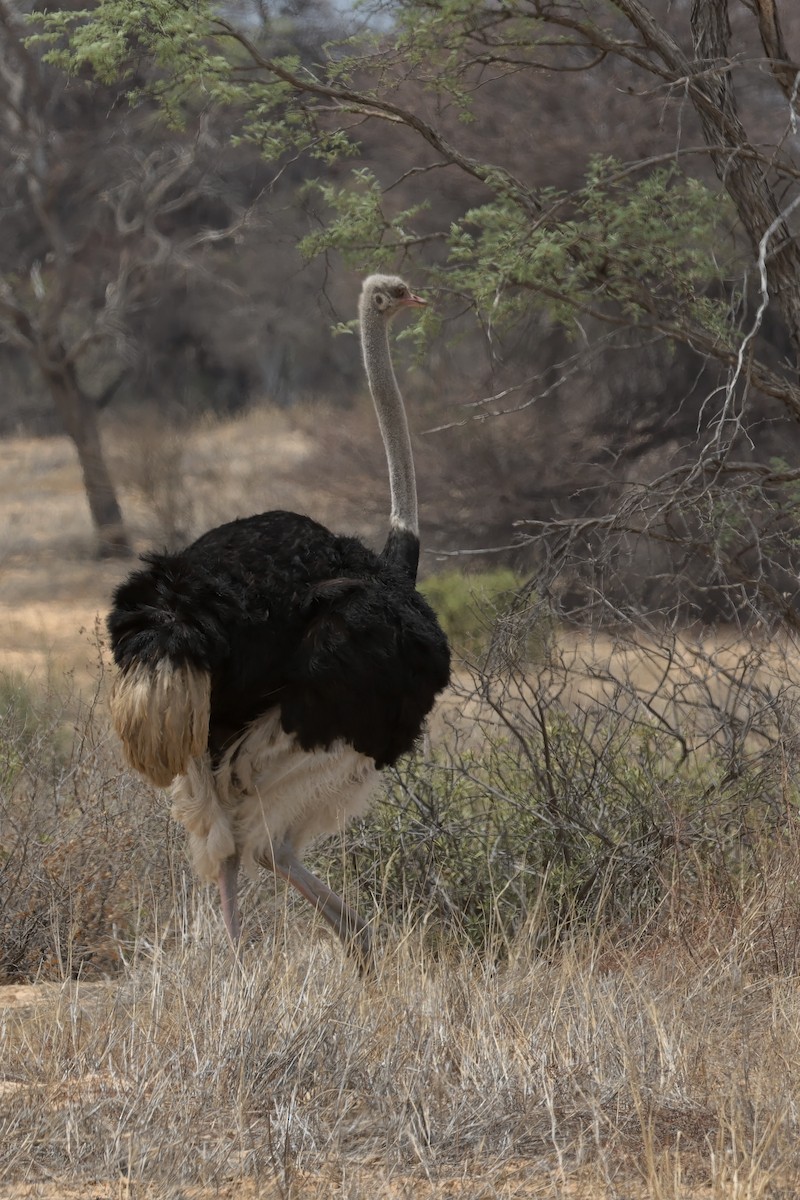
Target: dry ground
column 668, row 1068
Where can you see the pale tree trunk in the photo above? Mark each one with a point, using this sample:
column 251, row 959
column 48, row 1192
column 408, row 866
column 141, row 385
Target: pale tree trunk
column 78, row 414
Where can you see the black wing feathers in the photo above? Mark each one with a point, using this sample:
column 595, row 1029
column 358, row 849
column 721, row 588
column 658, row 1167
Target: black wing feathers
column 367, row 669
column 279, row 611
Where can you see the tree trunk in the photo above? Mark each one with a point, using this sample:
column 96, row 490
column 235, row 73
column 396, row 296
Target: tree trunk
column 79, row 416
column 744, row 178
column 708, row 80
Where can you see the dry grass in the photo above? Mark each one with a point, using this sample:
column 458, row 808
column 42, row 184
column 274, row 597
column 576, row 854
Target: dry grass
column 667, row 1074
column 657, row 1061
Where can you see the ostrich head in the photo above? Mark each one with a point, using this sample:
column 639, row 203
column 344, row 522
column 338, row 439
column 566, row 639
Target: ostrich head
column 388, row 295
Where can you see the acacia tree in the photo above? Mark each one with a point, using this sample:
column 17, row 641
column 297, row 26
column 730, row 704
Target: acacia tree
column 692, row 242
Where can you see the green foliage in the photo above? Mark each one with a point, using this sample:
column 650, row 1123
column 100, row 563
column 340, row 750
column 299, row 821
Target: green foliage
column 648, row 244
column 194, row 65
column 103, row 38
column 359, row 224
column 470, row 606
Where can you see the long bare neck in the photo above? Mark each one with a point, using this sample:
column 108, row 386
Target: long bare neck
column 391, row 419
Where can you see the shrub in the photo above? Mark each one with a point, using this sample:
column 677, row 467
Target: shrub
column 545, row 812
column 480, row 611
column 540, row 806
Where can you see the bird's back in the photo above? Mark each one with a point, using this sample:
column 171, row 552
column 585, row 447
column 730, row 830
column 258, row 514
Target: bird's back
column 283, row 613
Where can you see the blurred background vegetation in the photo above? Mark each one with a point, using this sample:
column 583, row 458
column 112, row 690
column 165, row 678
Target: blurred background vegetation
column 602, row 388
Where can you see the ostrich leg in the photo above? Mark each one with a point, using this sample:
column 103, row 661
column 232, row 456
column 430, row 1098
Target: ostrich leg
column 228, row 893
column 349, row 926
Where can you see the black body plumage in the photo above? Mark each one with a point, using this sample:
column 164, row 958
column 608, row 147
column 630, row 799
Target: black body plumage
column 283, row 613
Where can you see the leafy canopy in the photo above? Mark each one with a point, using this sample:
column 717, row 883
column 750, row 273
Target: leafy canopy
column 644, row 244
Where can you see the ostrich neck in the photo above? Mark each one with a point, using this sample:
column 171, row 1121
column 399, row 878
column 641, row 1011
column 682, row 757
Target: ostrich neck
column 391, row 419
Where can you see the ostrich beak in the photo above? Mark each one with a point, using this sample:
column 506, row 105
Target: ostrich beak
column 412, row 301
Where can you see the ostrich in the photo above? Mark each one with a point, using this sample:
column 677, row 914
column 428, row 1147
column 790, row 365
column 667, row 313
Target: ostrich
column 270, row 670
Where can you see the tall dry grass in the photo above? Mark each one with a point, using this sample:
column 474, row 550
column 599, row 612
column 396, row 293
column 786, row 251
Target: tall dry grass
column 597, row 1071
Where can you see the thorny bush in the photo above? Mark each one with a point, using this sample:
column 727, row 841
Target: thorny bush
column 633, row 783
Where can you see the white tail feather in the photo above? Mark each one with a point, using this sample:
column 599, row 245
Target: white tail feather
column 161, row 714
